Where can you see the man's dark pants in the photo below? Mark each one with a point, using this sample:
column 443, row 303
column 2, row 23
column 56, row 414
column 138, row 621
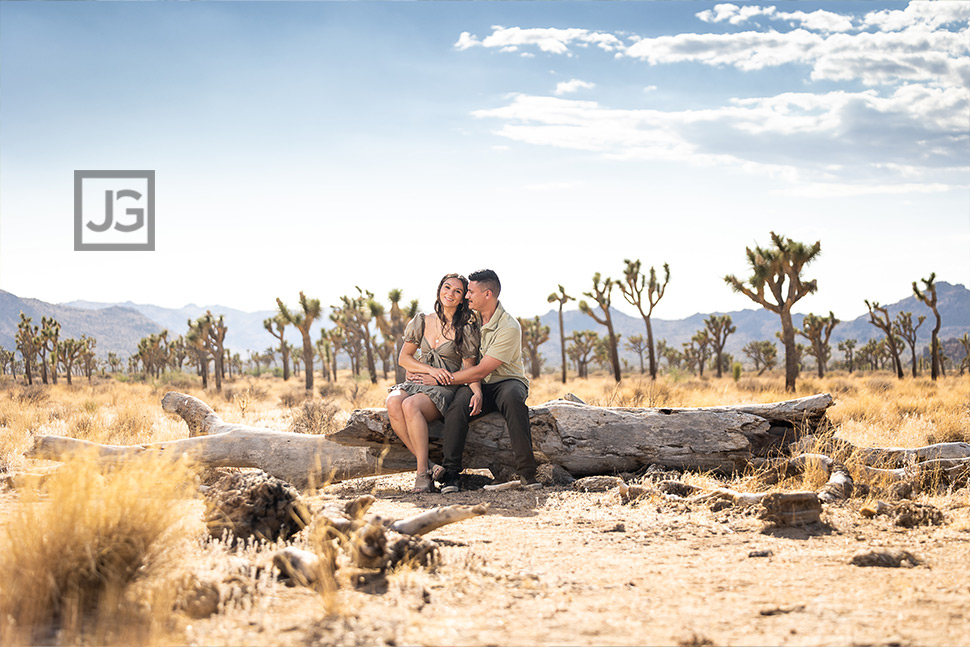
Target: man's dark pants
column 508, row 398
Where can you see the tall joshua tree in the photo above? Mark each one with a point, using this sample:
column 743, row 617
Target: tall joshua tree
column 50, row 331
column 879, row 317
column 719, row 327
column 534, row 334
column 632, row 287
column 276, row 326
column 303, row 319
column 904, row 328
column 562, row 298
column 928, row 296
column 216, row 343
column 196, row 344
column 818, row 330
column 28, row 343
column 398, row 319
column 602, row 295
column 772, row 267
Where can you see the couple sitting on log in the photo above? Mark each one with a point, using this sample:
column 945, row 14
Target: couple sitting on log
column 470, row 364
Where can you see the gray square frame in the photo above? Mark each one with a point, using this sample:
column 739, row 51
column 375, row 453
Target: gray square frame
column 79, row 245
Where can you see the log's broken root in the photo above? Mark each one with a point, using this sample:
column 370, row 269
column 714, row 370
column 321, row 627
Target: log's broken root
column 367, row 541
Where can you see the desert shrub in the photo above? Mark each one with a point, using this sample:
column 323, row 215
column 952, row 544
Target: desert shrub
column 30, row 394
column 179, row 380
column 315, row 417
column 330, row 390
column 74, row 545
column 293, row 398
column 879, row 384
column 131, row 424
column 842, row 386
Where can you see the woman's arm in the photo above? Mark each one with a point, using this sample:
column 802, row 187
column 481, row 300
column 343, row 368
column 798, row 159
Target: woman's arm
column 407, row 361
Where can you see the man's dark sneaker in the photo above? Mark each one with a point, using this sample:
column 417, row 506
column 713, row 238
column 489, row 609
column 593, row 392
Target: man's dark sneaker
column 449, row 482
column 531, row 483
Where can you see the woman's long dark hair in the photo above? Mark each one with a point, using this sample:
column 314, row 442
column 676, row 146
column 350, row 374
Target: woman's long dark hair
column 463, row 314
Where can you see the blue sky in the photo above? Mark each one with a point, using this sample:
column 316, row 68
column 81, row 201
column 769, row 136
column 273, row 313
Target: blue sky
column 318, row 146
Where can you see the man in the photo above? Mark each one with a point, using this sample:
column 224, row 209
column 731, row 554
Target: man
column 504, row 384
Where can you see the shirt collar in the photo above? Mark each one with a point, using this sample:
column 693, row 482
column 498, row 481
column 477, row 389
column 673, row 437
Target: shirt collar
column 496, row 317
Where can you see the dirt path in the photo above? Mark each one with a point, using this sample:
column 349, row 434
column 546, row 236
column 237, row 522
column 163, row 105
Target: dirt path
column 560, row 567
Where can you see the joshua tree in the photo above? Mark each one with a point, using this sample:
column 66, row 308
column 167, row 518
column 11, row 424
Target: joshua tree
column 818, row 330
column 355, row 315
column 904, row 329
column 632, row 289
column 177, row 352
column 883, row 323
column 50, row 330
column 197, row 339
column 562, row 298
column 696, row 350
column 764, row 354
column 385, row 351
column 719, row 328
column 965, row 362
column 303, row 321
column 771, row 268
column 673, row 356
column 582, row 345
column 325, row 353
column 6, row 357
column 88, row 359
column 534, row 335
column 847, row 346
column 68, row 352
column 601, row 294
column 928, row 296
column 276, row 326
column 153, row 353
column 338, row 342
column 28, row 343
column 638, row 345
column 217, row 345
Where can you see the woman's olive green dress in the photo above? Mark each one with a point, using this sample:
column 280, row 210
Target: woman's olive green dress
column 445, row 356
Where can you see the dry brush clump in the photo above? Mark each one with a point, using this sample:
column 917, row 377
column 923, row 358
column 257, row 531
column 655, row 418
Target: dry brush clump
column 85, row 550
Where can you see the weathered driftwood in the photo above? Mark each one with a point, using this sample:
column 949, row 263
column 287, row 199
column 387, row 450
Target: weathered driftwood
column 587, row 440
column 301, row 459
column 582, row 439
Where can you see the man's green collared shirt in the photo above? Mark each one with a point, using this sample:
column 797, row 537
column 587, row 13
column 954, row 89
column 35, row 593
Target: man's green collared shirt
column 502, row 339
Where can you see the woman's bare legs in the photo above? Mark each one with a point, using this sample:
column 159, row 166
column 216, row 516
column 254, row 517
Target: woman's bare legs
column 395, row 413
column 418, row 411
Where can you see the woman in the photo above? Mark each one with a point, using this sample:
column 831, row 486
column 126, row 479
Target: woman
column 448, row 341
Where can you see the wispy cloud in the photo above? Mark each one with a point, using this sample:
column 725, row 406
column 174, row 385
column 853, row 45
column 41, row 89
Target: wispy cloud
column 572, row 85
column 908, row 129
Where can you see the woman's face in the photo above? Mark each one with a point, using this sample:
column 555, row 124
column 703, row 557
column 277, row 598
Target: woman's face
column 451, row 293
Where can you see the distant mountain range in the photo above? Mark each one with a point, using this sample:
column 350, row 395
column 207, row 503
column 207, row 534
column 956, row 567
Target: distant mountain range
column 119, row 326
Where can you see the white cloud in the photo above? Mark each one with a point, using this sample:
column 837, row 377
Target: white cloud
column 549, row 40
column 734, row 14
column 917, row 134
column 572, row 85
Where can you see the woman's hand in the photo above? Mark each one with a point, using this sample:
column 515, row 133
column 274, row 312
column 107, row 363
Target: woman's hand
column 476, row 404
column 440, row 375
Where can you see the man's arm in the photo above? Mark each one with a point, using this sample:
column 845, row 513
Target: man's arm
column 477, row 372
column 464, row 376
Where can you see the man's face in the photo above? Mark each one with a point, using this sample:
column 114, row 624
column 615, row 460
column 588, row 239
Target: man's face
column 476, row 295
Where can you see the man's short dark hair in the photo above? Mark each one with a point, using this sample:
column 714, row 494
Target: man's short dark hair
column 488, row 278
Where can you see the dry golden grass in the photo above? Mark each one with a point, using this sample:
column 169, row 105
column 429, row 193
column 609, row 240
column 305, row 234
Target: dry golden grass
column 86, row 545
column 85, row 550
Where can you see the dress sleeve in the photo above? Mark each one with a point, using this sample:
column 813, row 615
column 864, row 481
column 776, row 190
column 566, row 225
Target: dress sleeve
column 471, row 340
column 415, row 330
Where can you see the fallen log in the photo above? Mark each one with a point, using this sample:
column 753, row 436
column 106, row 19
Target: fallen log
column 584, row 440
column 302, row 460
column 587, row 440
